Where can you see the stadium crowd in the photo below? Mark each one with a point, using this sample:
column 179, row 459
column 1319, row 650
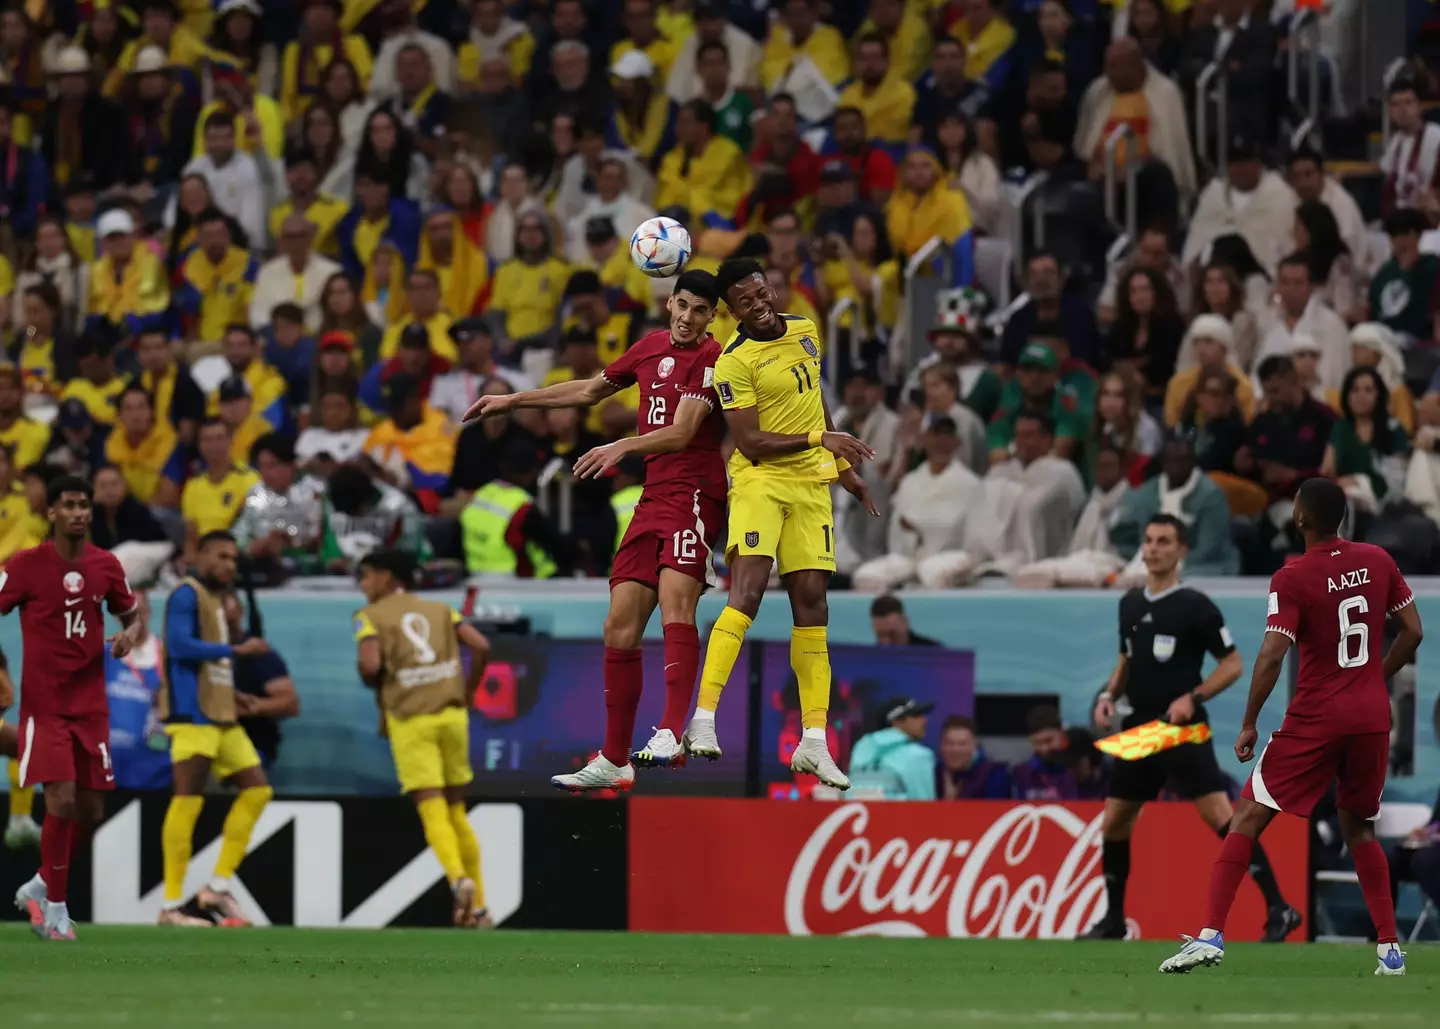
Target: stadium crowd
column 257, row 259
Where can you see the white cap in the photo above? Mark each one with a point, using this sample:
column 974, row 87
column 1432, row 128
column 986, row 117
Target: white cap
column 224, row 7
column 72, row 60
column 633, row 64
column 151, row 59
column 1212, row 326
column 114, row 223
column 1302, row 343
column 1373, row 336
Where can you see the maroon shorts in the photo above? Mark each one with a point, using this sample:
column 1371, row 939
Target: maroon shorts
column 673, row 530
column 1293, row 772
column 54, row 748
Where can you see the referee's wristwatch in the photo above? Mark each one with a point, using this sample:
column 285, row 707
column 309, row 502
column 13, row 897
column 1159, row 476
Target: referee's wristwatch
column 1197, row 696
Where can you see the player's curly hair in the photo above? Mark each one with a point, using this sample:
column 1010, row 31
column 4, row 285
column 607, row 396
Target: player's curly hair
column 736, row 270
column 62, row 484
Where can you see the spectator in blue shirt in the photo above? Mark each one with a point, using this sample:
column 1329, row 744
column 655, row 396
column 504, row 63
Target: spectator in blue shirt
column 894, row 761
column 1045, row 282
column 139, row 749
column 964, row 772
column 264, row 692
column 1047, row 775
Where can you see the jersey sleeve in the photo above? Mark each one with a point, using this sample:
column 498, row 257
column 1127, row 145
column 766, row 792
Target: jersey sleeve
column 1282, row 609
column 12, row 584
column 1214, row 632
column 700, row 383
column 119, row 598
column 620, row 372
column 364, row 627
column 734, row 382
column 1399, row 595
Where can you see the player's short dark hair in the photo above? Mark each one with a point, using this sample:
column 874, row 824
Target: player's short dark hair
column 959, row 722
column 399, row 563
column 215, row 536
column 702, row 112
column 223, row 119
column 62, row 484
column 1182, row 531
column 1041, row 718
column 945, row 425
column 135, row 387
column 885, row 605
column 873, row 39
column 349, row 489
column 701, row 283
column 1274, row 367
column 210, row 423
column 241, row 328
column 277, row 445
column 288, row 311
column 735, row 271
column 1323, row 503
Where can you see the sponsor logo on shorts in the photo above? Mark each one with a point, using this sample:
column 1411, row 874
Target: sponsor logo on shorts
column 752, row 539
column 73, row 582
column 809, row 345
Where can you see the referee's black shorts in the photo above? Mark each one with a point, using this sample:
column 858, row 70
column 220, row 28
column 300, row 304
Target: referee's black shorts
column 1189, row 769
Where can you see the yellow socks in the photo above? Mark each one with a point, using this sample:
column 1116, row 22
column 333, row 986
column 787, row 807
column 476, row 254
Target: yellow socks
column 22, row 798
column 810, row 658
column 440, row 835
column 176, row 839
column 239, row 824
column 721, row 653
column 469, row 845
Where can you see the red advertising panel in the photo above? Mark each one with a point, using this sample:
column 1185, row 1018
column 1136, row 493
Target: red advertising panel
column 980, row 868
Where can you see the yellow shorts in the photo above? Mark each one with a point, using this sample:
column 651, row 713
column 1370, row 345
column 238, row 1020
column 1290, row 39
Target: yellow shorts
column 227, row 746
column 431, row 751
column 789, row 521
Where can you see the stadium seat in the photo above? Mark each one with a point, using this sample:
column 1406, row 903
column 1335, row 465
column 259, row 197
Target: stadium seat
column 1395, row 821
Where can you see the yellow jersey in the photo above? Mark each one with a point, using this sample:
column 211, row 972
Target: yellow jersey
column 144, row 464
column 214, row 505
column 781, row 379
column 27, row 440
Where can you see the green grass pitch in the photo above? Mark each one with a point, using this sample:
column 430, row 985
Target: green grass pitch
column 279, row 978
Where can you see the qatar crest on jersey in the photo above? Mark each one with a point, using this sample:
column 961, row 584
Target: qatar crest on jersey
column 667, row 365
column 809, row 345
column 73, row 582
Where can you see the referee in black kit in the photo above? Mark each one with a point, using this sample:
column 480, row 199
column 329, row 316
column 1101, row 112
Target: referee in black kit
column 1166, row 629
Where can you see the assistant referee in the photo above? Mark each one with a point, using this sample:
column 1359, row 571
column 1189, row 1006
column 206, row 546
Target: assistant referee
column 1166, row 629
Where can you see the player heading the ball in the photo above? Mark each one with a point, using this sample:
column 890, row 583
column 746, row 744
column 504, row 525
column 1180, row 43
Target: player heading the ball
column 664, row 557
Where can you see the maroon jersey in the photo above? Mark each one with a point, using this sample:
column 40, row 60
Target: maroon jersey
column 62, row 625
column 1332, row 602
column 666, row 373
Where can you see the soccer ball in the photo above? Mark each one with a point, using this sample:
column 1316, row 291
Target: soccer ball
column 660, row 247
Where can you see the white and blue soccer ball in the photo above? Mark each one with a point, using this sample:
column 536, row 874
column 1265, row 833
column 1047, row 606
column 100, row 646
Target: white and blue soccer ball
column 660, row 247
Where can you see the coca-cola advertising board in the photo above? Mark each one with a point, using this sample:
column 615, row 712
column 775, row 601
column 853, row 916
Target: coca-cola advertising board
column 979, row 868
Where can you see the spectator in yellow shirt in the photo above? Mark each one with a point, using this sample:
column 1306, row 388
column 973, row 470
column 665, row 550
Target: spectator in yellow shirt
column 127, row 285
column 422, row 295
column 264, row 385
column 642, row 109
column 528, row 287
column 799, row 33
column 706, row 173
column 460, row 266
column 25, row 437
column 217, row 281
column 214, row 497
column 887, row 101
column 302, row 67
column 415, row 445
column 16, row 526
column 614, row 330
column 611, row 418
column 144, row 449
column 493, row 34
column 237, row 411
column 642, row 32
column 302, row 179
column 610, row 258
column 97, row 386
column 158, row 28
column 989, row 42
column 903, row 27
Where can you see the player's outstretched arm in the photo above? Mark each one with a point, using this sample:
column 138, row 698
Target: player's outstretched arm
column 575, row 393
column 667, row 440
column 473, row 640
column 758, row 445
column 1262, row 683
column 1407, row 640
